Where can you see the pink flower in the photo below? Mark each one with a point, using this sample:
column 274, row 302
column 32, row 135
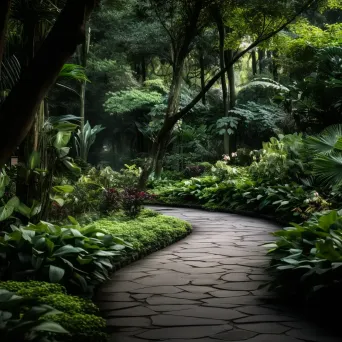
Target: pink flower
column 234, row 154
column 226, row 157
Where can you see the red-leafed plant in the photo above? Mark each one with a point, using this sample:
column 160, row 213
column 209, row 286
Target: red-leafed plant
column 132, row 201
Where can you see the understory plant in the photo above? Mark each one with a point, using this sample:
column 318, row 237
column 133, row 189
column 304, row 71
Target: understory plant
column 132, row 201
column 149, row 232
column 25, row 319
column 307, row 259
column 59, row 254
column 71, row 319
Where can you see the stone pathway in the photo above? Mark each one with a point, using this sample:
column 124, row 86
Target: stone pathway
column 203, row 288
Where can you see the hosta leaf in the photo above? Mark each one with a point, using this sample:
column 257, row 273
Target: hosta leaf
column 68, row 249
column 50, row 327
column 56, row 274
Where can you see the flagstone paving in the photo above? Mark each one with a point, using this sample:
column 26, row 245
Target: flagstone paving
column 203, row 288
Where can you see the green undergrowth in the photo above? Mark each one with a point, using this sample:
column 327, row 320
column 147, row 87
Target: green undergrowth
column 79, row 316
column 148, row 232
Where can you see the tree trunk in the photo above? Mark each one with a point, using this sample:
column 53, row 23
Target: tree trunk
column 261, row 55
column 229, row 54
column 84, row 50
column 202, row 70
column 275, row 66
column 143, row 70
column 254, row 63
column 5, row 6
column 17, row 114
column 269, row 61
column 222, row 35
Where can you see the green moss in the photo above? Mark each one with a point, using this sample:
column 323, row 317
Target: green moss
column 82, row 327
column 70, row 304
column 32, row 289
column 149, row 232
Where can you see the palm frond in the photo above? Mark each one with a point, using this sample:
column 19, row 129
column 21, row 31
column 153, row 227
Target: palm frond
column 327, row 142
column 74, row 72
column 266, row 83
column 328, row 169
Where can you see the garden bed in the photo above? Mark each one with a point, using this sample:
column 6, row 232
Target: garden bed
column 148, row 232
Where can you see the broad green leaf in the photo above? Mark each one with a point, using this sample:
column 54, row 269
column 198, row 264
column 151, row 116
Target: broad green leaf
column 327, row 220
column 68, row 249
column 5, row 212
column 34, row 160
column 50, row 327
column 73, row 220
column 62, row 139
column 23, row 209
column 56, row 274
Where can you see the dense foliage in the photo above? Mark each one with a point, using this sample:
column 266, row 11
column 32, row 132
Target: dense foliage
column 229, row 105
column 76, row 318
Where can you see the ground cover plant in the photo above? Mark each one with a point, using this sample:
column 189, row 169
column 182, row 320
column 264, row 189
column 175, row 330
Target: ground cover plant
column 61, row 317
column 149, row 232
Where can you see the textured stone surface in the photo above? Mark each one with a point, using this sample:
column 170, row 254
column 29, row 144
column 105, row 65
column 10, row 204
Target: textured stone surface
column 203, row 289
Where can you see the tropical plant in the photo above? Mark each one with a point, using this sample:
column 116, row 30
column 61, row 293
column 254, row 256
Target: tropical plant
column 306, row 259
column 79, row 316
column 327, row 149
column 132, row 201
column 85, row 138
column 78, row 258
column 23, row 319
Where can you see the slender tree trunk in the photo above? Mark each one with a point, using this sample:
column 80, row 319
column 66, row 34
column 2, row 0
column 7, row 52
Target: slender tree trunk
column 254, row 63
column 84, row 57
column 229, row 54
column 143, row 69
column 17, row 115
column 269, row 61
column 222, row 35
column 261, row 55
column 5, row 6
column 202, row 70
column 275, row 66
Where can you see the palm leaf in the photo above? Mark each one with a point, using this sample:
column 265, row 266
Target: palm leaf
column 74, row 72
column 327, row 142
column 328, row 169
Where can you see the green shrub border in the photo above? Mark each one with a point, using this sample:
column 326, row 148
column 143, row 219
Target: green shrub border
column 138, row 255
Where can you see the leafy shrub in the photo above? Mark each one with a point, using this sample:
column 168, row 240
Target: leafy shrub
column 280, row 160
column 77, row 315
column 107, row 178
column 59, row 254
column 112, row 200
column 82, row 327
column 150, row 231
column 306, row 260
column 24, row 320
column 132, row 201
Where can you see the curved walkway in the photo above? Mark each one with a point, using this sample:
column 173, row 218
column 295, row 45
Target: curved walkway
column 203, row 288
